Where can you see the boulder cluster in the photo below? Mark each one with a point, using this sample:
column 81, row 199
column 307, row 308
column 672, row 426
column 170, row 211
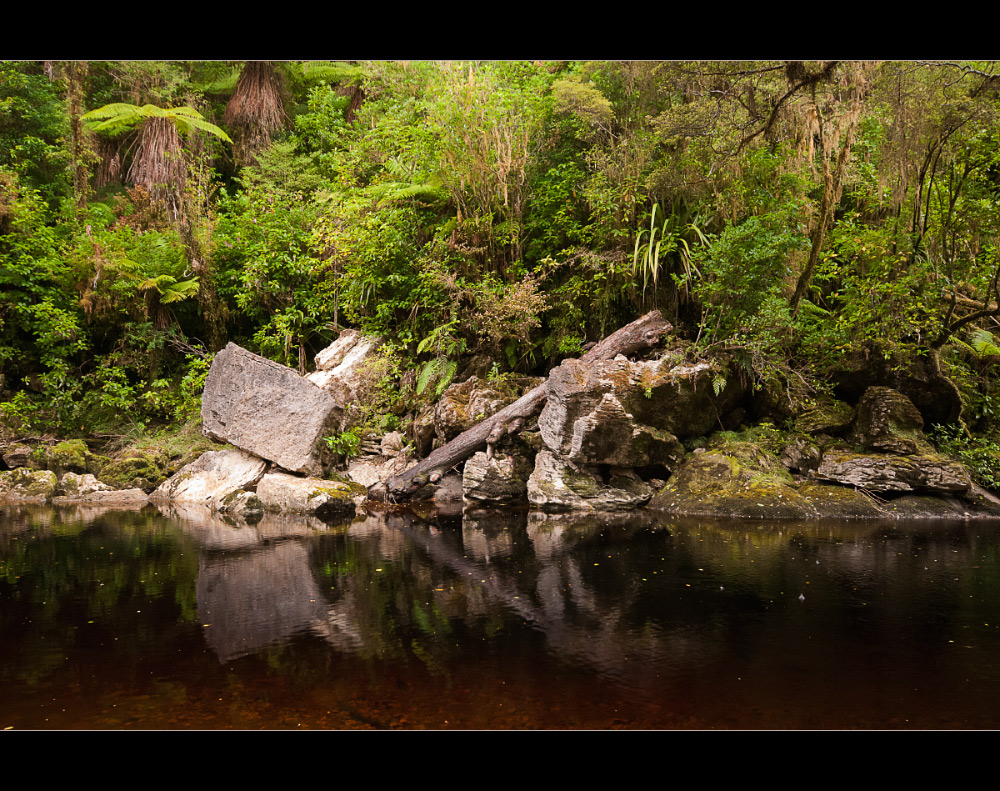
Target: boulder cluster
column 614, row 435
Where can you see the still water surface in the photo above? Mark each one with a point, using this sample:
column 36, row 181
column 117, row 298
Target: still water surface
column 117, row 619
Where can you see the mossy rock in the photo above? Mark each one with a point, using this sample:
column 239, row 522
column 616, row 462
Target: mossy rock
column 344, row 484
column 840, row 502
column 68, row 456
column 144, row 472
column 829, row 416
column 31, row 486
column 720, row 484
column 353, row 487
column 888, row 421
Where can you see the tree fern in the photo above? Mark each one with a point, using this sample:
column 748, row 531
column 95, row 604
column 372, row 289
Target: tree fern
column 116, row 118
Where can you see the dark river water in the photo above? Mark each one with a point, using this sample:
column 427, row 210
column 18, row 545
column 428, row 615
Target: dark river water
column 143, row 620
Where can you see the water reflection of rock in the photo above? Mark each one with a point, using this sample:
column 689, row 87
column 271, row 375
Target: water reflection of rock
column 255, row 585
column 488, row 534
column 249, row 600
column 212, row 530
column 575, row 578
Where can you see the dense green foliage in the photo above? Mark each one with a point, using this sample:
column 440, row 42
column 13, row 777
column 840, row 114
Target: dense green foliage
column 797, row 215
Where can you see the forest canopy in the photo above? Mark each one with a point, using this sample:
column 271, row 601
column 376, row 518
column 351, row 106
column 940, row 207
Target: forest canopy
column 803, row 218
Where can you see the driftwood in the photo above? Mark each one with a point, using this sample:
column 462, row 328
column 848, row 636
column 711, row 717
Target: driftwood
column 641, row 334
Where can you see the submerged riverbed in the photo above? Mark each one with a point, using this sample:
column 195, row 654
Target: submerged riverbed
column 137, row 619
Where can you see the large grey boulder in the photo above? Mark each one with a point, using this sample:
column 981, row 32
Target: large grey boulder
column 216, row 479
column 500, row 479
column 73, row 484
column 268, row 410
column 882, row 472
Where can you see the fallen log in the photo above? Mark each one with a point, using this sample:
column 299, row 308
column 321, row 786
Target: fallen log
column 643, row 333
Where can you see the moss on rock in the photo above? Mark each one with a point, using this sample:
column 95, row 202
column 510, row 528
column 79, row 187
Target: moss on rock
column 68, row 456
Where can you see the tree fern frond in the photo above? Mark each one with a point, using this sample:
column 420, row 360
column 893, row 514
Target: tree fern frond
column 155, row 282
column 332, row 72
column 114, row 110
column 985, row 344
column 186, row 124
column 181, row 290
column 118, row 117
column 152, row 111
column 223, row 84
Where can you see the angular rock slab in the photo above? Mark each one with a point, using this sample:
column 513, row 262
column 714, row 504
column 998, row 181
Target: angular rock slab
column 878, row 472
column 267, row 409
column 213, row 479
column 829, row 416
column 291, row 494
column 340, row 366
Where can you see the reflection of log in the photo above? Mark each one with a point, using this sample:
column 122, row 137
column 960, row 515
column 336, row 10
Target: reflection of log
column 641, row 334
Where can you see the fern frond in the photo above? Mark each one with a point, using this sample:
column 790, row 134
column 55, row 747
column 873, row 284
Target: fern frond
column 179, row 291
column 985, row 344
column 426, row 374
column 186, row 124
column 332, row 72
column 447, row 374
column 113, row 110
column 222, row 84
column 118, row 117
column 155, row 282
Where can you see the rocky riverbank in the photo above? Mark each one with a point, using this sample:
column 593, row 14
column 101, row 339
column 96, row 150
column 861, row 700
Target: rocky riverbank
column 659, row 432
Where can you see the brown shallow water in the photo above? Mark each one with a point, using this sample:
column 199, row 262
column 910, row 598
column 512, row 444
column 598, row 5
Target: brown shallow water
column 113, row 619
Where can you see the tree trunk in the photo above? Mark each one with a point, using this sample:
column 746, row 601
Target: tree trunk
column 642, row 333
